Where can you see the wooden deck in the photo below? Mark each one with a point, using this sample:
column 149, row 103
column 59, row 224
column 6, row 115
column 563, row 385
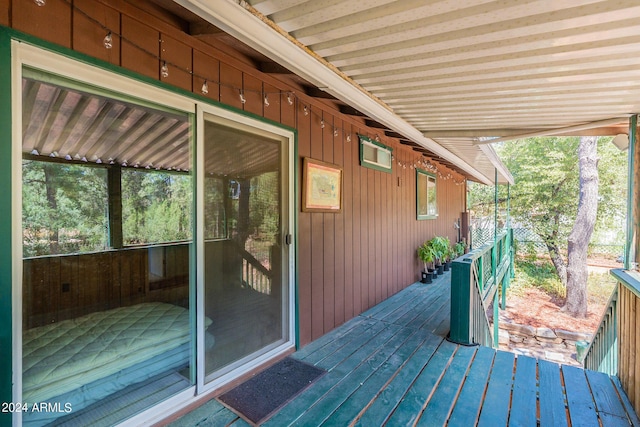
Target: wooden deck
column 393, row 366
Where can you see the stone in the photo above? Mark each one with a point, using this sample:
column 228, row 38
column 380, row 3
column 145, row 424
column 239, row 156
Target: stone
column 516, row 338
column 515, row 328
column 554, row 356
column 546, row 333
column 503, row 337
column 573, row 336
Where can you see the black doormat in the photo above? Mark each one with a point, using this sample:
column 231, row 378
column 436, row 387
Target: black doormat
column 260, row 396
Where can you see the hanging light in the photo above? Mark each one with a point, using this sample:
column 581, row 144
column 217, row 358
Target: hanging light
column 242, row 98
column 289, row 100
column 164, row 70
column 335, row 133
column 266, row 101
column 39, row 2
column 205, row 88
column 322, row 124
column 108, row 41
column 306, row 111
column 349, row 138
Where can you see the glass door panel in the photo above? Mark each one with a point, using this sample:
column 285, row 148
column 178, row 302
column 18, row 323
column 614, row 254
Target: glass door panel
column 245, row 285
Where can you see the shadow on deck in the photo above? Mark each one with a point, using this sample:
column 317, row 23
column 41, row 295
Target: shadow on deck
column 393, row 366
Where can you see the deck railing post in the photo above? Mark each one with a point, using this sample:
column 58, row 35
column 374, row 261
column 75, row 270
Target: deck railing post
column 461, row 301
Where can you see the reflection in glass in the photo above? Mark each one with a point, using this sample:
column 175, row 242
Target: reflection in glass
column 106, row 328
column 244, row 287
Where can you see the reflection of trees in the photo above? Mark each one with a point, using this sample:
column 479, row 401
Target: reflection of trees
column 65, row 207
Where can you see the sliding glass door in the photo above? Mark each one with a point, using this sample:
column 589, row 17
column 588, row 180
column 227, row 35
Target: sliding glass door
column 246, row 252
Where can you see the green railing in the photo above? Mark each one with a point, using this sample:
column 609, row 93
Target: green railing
column 602, row 352
column 475, row 279
column 615, row 348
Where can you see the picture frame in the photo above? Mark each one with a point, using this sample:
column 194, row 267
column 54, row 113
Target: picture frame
column 321, row 186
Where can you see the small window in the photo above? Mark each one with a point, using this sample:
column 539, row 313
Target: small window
column 426, row 195
column 374, row 155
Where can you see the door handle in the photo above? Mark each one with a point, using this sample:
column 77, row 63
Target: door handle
column 288, row 239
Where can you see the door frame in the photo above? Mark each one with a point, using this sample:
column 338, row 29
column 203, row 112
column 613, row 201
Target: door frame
column 27, row 50
column 259, row 126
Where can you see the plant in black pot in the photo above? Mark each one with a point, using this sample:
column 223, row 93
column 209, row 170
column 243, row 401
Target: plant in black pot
column 426, row 255
column 440, row 247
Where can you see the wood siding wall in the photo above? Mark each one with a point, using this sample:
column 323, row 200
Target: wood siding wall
column 629, row 344
column 348, row 262
column 64, row 287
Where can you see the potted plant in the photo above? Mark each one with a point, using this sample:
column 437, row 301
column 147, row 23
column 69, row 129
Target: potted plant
column 440, row 246
column 426, row 255
column 459, row 249
column 448, row 256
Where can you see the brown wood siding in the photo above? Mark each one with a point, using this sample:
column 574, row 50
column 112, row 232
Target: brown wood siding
column 629, row 343
column 56, row 288
column 347, row 262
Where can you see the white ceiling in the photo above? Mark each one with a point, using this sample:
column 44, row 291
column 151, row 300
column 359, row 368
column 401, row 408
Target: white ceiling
column 456, row 71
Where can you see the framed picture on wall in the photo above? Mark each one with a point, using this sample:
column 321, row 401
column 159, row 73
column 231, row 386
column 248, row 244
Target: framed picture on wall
column 321, row 186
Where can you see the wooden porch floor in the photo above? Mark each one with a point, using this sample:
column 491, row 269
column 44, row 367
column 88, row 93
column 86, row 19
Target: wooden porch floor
column 393, row 366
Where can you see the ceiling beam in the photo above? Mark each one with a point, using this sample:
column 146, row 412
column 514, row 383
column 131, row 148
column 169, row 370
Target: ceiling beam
column 565, row 130
column 270, row 67
column 315, row 92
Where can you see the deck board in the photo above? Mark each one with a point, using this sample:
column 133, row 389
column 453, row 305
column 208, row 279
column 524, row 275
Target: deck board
column 437, row 411
column 551, row 400
column 582, row 408
column 467, row 409
column 393, row 366
column 495, row 409
column 523, row 400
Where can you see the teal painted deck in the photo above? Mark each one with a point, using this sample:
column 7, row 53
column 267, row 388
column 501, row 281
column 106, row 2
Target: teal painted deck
column 393, row 366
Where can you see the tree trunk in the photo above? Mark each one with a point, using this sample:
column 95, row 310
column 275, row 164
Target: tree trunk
column 551, row 241
column 578, row 241
column 52, row 201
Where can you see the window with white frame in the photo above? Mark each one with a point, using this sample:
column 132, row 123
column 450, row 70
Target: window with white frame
column 426, row 202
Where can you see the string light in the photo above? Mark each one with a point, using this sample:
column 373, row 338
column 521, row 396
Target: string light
column 164, row 72
column 108, row 41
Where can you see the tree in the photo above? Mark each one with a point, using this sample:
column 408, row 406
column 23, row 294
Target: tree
column 545, row 198
column 578, row 242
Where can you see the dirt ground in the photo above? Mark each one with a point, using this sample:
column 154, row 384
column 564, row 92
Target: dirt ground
column 538, row 309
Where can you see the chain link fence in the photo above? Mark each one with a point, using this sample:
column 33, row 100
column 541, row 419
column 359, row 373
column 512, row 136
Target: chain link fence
column 527, row 242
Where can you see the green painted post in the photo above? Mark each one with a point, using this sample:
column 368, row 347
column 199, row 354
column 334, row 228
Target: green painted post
column 494, row 254
column 633, row 198
column 461, row 288
column 6, row 346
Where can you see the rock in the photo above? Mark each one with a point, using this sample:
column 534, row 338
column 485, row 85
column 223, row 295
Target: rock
column 546, row 333
column 503, row 337
column 573, row 336
column 516, row 338
column 515, row 328
column 554, row 356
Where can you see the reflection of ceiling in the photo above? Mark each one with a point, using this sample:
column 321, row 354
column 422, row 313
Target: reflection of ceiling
column 69, row 124
column 65, row 123
column 233, row 153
